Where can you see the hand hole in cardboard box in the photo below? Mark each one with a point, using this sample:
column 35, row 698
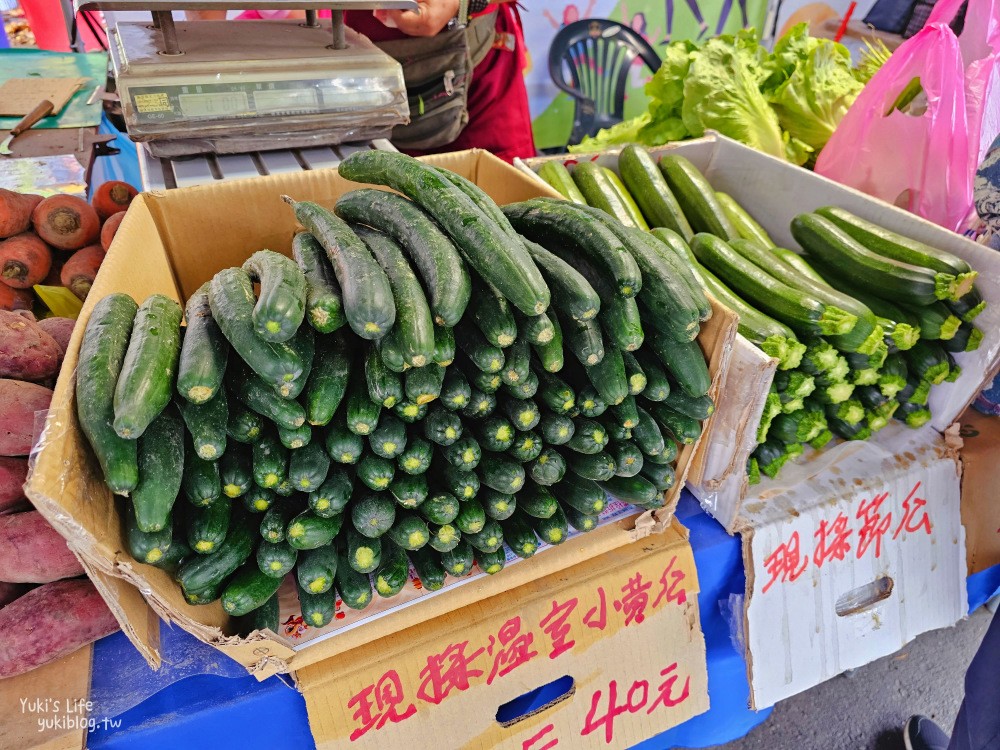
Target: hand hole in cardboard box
column 535, row 701
column 865, row 597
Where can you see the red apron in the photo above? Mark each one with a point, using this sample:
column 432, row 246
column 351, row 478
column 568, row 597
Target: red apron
column 499, row 120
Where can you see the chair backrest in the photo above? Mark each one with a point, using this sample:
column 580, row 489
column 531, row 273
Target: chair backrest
column 590, row 60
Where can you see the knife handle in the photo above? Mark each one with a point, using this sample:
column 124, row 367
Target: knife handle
column 43, row 109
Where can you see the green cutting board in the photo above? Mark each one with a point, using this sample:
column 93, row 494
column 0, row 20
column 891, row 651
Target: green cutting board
column 27, row 63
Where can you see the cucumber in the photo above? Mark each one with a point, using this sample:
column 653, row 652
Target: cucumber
column 367, row 295
column 317, row 610
column 393, row 571
column 208, row 525
column 204, row 351
column 362, row 413
column 701, row 407
column 385, row 387
column 201, row 572
column 231, row 299
column 523, row 414
column 495, row 433
column 259, row 396
column 559, row 178
column 409, row 531
column 680, row 427
column 243, row 425
column 410, row 411
column 615, row 430
column 275, row 521
column 464, row 453
column 459, row 560
column 389, row 438
column 410, row 491
column 355, row 588
column 442, row 426
column 601, row 191
column 597, row 466
column 444, row 345
column 635, row 490
column 480, row 198
column 647, row 434
column 590, row 403
column 497, row 505
column 491, row 563
column 556, row 429
column 501, row 474
column 316, row 569
column 265, row 617
column 895, row 280
column 455, row 390
column 461, row 483
column 627, row 457
column 537, row 329
column 684, row 362
column 276, row 559
column 147, row 373
column 445, row 537
column 235, row 471
column 471, row 516
column 308, row 467
column 373, row 515
column 517, row 363
column 636, row 376
column 626, row 413
column 548, row 468
column 657, row 386
column 696, row 197
column 480, row 406
column 571, row 292
column 550, row 355
column 270, row 461
column 526, row 389
column 160, row 459
column 248, row 590
column 480, row 239
column 435, row 257
column 416, row 458
column 555, row 393
column 281, row 304
column 527, row 447
column 585, row 495
column 201, row 482
column 324, row 301
column 646, row 184
column 376, row 472
column 584, row 340
column 310, row 531
column 608, row 377
column 554, row 529
column 487, row 382
column 427, row 565
column 343, row 445
column 414, row 326
column 580, row 521
column 492, row 315
column 622, row 324
column 588, row 436
column 551, row 222
column 440, row 508
column 519, row 535
column 146, row 547
column 423, row 384
column 669, row 454
column 936, row 321
column 661, row 476
column 745, row 225
column 300, row 437
column 390, row 349
column 486, row 357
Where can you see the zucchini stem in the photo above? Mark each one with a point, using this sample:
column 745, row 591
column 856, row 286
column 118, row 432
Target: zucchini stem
column 833, row 321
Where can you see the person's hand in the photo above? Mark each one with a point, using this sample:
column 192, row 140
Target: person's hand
column 427, row 20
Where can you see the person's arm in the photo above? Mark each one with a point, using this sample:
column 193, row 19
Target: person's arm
column 427, row 20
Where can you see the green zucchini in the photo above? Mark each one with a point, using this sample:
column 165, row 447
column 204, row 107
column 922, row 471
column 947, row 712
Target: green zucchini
column 160, row 458
column 440, row 508
column 324, row 301
column 601, row 192
column 696, row 197
column 393, row 571
column 270, row 461
column 936, row 321
column 281, row 304
column 492, row 315
column 455, row 391
column 444, row 345
column 355, row 588
column 331, row 497
column 459, row 560
column 308, row 467
column 423, row 384
column 409, row 490
column 969, row 306
column 243, row 425
column 585, row 495
column 373, row 515
column 204, row 351
column 646, row 184
column 248, row 590
column 441, row 426
column 548, row 469
column 966, row 339
column 501, row 474
column 497, row 505
column 201, row 482
column 276, row 559
column 913, row 415
column 362, row 413
column 464, row 453
column 343, row 445
column 927, row 361
column 527, row 447
column 684, row 362
column 376, row 472
column 745, row 225
column 491, row 563
column 416, row 458
column 597, row 466
column 388, row 439
column 519, row 535
column 559, row 178
column 408, row 532
column 309, row 531
column 385, row 387
column 572, row 294
column 147, row 547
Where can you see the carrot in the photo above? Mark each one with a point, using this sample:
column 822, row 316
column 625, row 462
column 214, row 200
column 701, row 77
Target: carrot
column 111, row 197
column 19, row 401
column 81, row 269
column 11, row 591
column 24, row 260
column 66, row 222
column 110, row 229
column 49, row 622
column 15, row 211
column 13, row 474
column 27, row 352
column 31, row 551
column 59, row 329
column 15, row 299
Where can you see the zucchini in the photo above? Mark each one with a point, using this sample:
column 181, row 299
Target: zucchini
column 461, row 483
column 556, row 429
column 324, row 302
column 440, row 508
column 309, row 531
column 523, row 414
column 409, row 532
column 559, row 178
column 969, row 306
column 343, row 445
column 243, row 425
column 355, row 588
column 280, row 365
column 495, row 433
column 661, row 476
column 455, row 391
column 588, row 436
column 248, row 590
column 308, row 467
column 517, row 362
column 410, row 490
column 416, row 457
column 389, row 438
column 936, row 321
column 275, row 521
column 527, row 447
column 501, row 474
column 385, row 387
column 442, row 426
column 550, row 355
column 491, row 563
column 744, row 224
column 554, row 529
column 590, row 403
column 650, row 190
column 966, row 339
column 459, row 560
column 680, row 427
column 444, row 538
column 597, row 466
column 497, row 505
column 414, row 327
column 926, row 361
column 300, row 437
column 281, row 304
column 696, row 197
column 160, row 458
column 572, row 294
column 367, row 295
column 697, row 408
column 608, row 377
column 410, row 411
column 548, row 469
column 627, row 458
column 913, row 415
column 376, row 472
column 146, row 380
column 585, row 495
column 480, row 239
column 146, row 547
column 444, row 345
column 892, row 378
column 332, row 496
column 580, row 521
column 259, row 396
column 201, row 482
column 492, row 315
column 423, row 384
column 270, row 461
column 316, row 569
column 258, row 500
column 684, row 362
column 362, row 413
column 393, row 571
column 486, row 357
column 471, row 516
column 428, row 567
column 520, row 536
column 373, row 515
column 201, row 572
column 464, row 453
column 204, row 351
column 276, row 559
column 626, row 413
column 598, row 187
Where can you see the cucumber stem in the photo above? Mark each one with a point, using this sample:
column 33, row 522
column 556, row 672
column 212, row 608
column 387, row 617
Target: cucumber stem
column 833, row 321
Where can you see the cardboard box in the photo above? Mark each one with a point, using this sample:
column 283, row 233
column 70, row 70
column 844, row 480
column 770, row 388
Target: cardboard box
column 980, row 481
column 774, row 192
column 170, row 243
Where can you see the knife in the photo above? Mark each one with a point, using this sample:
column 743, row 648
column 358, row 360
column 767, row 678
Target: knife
column 42, row 110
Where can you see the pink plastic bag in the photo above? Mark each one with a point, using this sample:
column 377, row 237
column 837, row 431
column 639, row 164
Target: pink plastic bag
column 924, row 159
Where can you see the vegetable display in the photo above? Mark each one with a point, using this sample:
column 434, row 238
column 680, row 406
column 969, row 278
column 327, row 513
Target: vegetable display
column 432, row 381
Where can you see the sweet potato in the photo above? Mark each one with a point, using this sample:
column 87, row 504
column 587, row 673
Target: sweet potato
column 31, row 551
column 15, row 211
column 49, row 622
column 13, row 473
column 15, row 299
column 110, row 229
column 24, row 260
column 81, row 269
column 112, row 197
column 27, row 352
column 18, row 403
column 11, row 591
column 66, row 222
column 59, row 329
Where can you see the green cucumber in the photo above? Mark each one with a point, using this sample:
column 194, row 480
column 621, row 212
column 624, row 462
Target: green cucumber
column 559, row 178
column 393, row 571
column 147, row 547
column 684, row 265
column 608, row 377
column 440, row 508
column 491, row 563
column 385, row 387
column 517, row 363
column 373, row 515
column 281, row 304
column 317, row 610
column 300, row 437
column 235, row 471
column 248, row 590
column 601, row 192
column 495, row 433
column 455, row 390
column 556, row 429
column 588, row 436
column 160, row 458
column 408, row 532
column 555, row 393
column 423, row 384
column 388, row 439
column 343, row 445
column 416, row 457
column 324, row 301
column 580, row 521
column 208, row 525
column 626, row 413
column 309, row 531
column 554, row 529
column 458, row 561
column 527, row 447
column 627, row 457
column 390, row 349
column 548, row 469
column 537, row 329
column 410, row 490
column 650, row 190
column 441, row 426
column 471, row 516
column 444, row 345
column 461, row 483
column 597, row 466
column 201, row 572
column 204, row 351
column 444, row 537
column 355, row 588
column 243, row 425
column 519, row 535
column 696, row 197
column 745, row 225
column 464, row 453
column 635, row 490
column 682, row 428
column 265, row 617
column 481, row 405
column 523, row 414
column 701, row 407
column 410, row 411
column 487, row 382
column 661, row 476
column 684, row 362
column 616, row 431
column 270, row 461
column 259, row 396
column 376, row 472
column 585, row 495
column 501, row 474
column 316, row 569
column 622, row 324
column 584, row 340
column 201, row 483
column 276, row 559
column 634, row 373
column 493, row 316
column 308, row 467
column 428, row 566
column 331, row 497
column 486, row 357
column 550, row 355
column 497, row 505
column 571, row 292
column 362, row 413
column 590, row 403
column 657, row 386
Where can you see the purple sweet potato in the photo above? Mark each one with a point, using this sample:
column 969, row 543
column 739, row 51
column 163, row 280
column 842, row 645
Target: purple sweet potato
column 49, row 622
column 27, row 352
column 31, row 551
column 11, row 591
column 19, row 401
column 13, row 474
column 59, row 329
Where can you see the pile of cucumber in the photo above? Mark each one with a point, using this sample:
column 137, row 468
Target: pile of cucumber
column 863, row 321
column 430, row 381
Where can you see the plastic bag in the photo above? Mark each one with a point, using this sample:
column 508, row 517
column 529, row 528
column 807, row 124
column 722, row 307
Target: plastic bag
column 913, row 135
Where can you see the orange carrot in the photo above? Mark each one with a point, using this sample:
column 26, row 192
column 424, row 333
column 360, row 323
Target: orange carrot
column 15, row 211
column 66, row 222
column 24, row 260
column 110, row 229
column 111, row 197
column 81, row 269
column 15, row 299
